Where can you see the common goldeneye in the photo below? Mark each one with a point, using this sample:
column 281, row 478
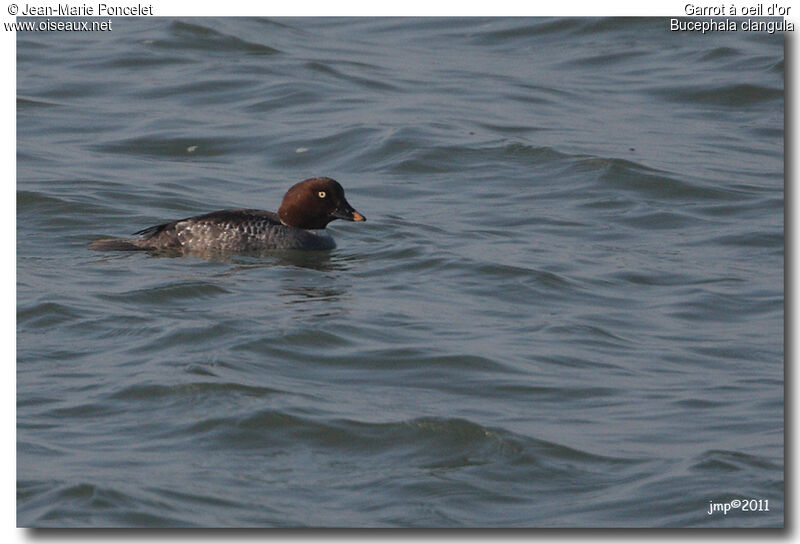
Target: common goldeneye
column 307, row 208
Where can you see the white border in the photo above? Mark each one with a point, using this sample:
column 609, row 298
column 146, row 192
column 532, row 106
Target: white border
column 339, row 8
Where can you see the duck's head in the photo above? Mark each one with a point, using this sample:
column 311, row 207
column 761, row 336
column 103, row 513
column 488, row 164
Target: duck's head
column 315, row 202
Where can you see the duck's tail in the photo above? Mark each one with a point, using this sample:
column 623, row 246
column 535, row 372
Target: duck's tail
column 116, row 244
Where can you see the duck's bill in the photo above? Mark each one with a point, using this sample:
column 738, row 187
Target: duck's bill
column 348, row 214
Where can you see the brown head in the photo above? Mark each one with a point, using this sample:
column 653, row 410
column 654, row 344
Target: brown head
column 315, row 202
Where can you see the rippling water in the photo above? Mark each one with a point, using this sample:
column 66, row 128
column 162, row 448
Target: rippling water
column 566, row 309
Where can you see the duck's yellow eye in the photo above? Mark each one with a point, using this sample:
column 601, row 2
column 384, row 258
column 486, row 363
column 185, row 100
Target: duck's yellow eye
column 321, row 194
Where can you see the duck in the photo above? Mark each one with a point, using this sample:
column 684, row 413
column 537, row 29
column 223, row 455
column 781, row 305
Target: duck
column 300, row 222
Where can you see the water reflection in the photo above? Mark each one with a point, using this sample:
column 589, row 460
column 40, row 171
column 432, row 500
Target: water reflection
column 321, row 261
column 315, row 284
column 314, row 300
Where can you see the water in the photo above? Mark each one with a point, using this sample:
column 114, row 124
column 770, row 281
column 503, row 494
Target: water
column 565, row 310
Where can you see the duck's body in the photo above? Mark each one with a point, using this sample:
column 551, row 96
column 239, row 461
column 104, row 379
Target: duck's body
column 306, row 210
